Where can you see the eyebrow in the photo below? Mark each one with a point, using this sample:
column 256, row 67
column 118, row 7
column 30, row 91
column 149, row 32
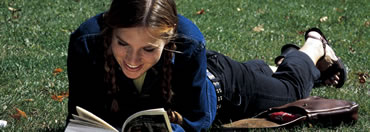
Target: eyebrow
column 120, row 39
column 150, row 45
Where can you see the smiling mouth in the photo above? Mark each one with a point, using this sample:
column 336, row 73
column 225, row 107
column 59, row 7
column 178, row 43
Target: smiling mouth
column 133, row 68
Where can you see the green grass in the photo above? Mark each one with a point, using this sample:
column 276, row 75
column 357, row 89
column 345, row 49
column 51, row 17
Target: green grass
column 34, row 41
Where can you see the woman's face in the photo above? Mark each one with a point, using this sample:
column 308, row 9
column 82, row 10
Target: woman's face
column 136, row 50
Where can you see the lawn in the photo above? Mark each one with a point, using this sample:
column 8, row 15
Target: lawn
column 34, row 37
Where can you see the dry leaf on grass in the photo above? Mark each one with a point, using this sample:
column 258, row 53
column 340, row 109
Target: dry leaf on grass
column 60, row 97
column 19, row 114
column 362, row 77
column 351, row 50
column 57, row 71
column 200, row 12
column 341, row 18
column 28, row 100
column 12, row 9
column 367, row 23
column 259, row 28
column 57, row 98
column 323, row 19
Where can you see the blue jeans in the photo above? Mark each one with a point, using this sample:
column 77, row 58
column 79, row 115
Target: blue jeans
column 251, row 87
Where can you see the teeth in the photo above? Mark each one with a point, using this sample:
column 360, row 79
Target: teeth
column 131, row 66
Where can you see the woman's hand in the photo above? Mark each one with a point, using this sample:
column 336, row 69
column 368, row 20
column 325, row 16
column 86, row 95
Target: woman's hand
column 175, row 117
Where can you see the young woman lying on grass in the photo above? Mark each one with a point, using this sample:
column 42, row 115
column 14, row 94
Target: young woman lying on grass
column 141, row 54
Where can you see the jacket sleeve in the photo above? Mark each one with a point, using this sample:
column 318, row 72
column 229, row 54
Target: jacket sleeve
column 84, row 86
column 195, row 98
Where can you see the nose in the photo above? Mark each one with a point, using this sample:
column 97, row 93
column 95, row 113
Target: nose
column 133, row 57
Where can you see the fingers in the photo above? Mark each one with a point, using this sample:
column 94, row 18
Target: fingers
column 175, row 117
column 172, row 116
column 333, row 80
column 329, row 82
column 179, row 117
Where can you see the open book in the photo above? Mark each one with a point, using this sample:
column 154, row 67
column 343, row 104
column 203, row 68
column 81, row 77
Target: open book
column 151, row 120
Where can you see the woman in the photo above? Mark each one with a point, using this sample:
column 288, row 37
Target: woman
column 140, row 55
column 122, row 61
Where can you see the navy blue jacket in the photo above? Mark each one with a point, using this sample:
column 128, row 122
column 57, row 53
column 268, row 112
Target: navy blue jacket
column 194, row 95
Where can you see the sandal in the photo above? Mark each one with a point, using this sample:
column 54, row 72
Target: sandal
column 285, row 50
column 336, row 66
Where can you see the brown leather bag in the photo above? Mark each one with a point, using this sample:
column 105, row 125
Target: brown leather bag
column 314, row 109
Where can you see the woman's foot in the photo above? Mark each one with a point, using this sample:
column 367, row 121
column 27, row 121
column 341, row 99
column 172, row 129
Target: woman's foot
column 286, row 49
column 331, row 68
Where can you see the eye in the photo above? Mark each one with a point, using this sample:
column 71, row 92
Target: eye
column 149, row 49
column 122, row 43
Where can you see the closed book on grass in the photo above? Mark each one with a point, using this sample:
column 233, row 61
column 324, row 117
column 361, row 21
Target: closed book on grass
column 146, row 120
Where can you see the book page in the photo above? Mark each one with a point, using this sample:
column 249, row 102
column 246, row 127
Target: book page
column 152, row 120
column 90, row 116
column 76, row 127
column 84, row 121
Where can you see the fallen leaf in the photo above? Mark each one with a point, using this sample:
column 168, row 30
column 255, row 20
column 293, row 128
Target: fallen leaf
column 22, row 113
column 323, row 19
column 352, row 50
column 259, row 28
column 341, row 18
column 367, row 23
column 19, row 114
column 12, row 9
column 200, row 12
column 57, row 71
column 28, row 100
column 57, row 98
column 60, row 97
column 362, row 77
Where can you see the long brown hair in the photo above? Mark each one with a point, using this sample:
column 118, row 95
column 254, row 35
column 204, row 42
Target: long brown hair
column 160, row 15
